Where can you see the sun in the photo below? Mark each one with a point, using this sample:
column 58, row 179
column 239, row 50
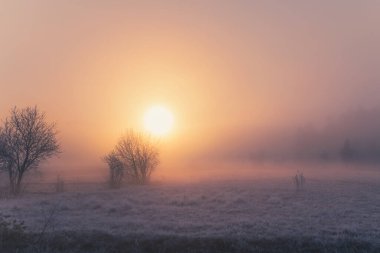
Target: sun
column 158, row 120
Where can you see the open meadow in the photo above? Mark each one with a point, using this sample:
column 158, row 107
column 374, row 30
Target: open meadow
column 262, row 215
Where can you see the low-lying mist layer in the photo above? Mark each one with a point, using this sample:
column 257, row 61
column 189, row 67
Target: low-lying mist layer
column 352, row 137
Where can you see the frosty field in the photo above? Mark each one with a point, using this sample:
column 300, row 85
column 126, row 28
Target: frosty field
column 326, row 211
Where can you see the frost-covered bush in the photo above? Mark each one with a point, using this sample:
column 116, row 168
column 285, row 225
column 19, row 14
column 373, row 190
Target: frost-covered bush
column 12, row 232
column 11, row 226
column 299, row 180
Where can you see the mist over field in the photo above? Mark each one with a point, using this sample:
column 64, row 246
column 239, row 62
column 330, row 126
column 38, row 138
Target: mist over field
column 247, row 74
column 345, row 141
column 189, row 126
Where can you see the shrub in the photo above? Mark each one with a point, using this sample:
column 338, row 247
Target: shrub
column 12, row 233
column 134, row 158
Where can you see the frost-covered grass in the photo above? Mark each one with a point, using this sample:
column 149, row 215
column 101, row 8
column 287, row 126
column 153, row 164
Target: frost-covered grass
column 325, row 212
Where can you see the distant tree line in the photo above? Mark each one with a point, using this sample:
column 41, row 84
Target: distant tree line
column 353, row 137
column 346, row 150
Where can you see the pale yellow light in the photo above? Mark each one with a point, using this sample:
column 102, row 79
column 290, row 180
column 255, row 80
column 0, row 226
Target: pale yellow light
column 158, row 120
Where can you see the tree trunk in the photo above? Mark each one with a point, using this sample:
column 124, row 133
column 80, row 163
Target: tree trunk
column 18, row 183
column 15, row 180
column 12, row 181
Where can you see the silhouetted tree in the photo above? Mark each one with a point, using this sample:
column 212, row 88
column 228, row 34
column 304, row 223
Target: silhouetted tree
column 134, row 158
column 26, row 139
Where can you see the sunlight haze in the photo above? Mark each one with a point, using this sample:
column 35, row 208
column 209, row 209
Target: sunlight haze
column 224, row 69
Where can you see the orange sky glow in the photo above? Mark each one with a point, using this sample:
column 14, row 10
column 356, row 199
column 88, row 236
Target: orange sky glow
column 220, row 67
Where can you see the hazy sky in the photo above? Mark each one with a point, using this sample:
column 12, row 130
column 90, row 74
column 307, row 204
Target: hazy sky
column 221, row 66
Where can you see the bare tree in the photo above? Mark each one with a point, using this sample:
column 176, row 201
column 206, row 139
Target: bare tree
column 26, row 139
column 135, row 156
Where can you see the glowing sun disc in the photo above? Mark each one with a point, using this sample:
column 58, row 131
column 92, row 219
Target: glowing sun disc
column 158, row 120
